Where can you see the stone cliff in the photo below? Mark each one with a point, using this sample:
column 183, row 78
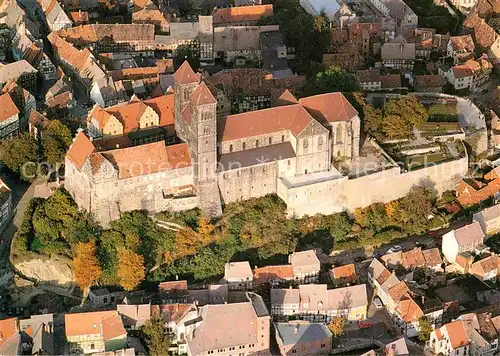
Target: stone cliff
column 57, row 270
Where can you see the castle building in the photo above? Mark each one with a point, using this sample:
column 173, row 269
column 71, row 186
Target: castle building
column 289, row 149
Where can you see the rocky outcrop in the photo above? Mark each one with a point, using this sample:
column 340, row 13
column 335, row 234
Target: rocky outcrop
column 56, row 270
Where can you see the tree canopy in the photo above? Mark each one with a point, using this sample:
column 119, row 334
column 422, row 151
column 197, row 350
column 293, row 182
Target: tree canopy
column 87, row 268
column 332, row 79
column 154, row 334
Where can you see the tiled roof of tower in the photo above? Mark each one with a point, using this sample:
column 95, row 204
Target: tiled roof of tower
column 80, row 149
column 241, row 13
column 148, row 159
column 254, row 123
column 7, row 107
column 202, row 95
column 331, row 107
column 185, row 74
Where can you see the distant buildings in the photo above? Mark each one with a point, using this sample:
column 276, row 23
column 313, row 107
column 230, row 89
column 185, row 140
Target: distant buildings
column 238, row 275
column 20, row 72
column 489, row 219
column 5, row 205
column 398, row 55
column 471, row 192
column 305, row 266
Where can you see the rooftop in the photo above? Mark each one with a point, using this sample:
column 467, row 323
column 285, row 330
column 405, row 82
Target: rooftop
column 253, row 13
column 238, row 271
column 292, row 333
column 7, row 107
column 468, row 234
column 15, row 70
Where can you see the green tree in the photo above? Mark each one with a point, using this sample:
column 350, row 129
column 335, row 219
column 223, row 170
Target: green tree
column 154, row 334
column 21, row 155
column 333, row 79
column 425, row 329
column 56, row 140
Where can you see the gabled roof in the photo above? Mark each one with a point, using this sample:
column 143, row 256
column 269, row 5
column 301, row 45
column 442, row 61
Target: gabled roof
column 8, row 328
column 202, row 95
column 468, row 234
column 461, row 71
column 457, row 333
column 117, row 32
column 241, row 13
column 462, row 43
column 331, row 107
column 345, row 272
column 368, row 75
column 185, row 74
column 428, row 81
column 264, row 274
column 80, row 149
column 486, row 265
column 107, row 324
column 15, row 70
column 409, row 310
column 7, row 107
column 286, row 98
column 238, row 271
column 173, row 285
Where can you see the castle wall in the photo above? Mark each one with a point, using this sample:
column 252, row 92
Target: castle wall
column 77, row 183
column 248, row 182
column 251, row 142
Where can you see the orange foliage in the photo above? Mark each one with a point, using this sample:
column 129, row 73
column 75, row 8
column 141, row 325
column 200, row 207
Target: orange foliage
column 87, row 268
column 131, row 269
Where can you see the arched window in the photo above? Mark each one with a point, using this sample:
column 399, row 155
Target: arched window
column 339, row 134
column 244, row 145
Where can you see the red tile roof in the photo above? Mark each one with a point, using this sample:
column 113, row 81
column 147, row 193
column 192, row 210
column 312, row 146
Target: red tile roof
column 346, row 273
column 428, row 81
column 185, row 74
column 413, row 258
column 79, row 17
column 457, row 334
column 409, row 310
column 173, row 312
column 105, row 323
column 112, row 327
column 461, row 71
column 173, row 285
column 462, row 43
column 241, row 13
column 268, row 273
column 202, row 95
column 164, row 107
column 398, row 291
column 7, row 107
column 80, row 149
column 331, row 107
column 8, row 328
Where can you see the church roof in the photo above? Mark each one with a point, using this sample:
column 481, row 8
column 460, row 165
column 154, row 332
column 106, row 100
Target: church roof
column 202, row 95
column 185, row 74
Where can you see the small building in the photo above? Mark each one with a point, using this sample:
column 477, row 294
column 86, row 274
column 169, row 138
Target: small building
column 9, row 117
column 173, row 291
column 450, row 339
column 241, row 15
column 95, row 332
column 238, row 275
column 305, row 265
column 10, row 342
column 343, row 275
column 135, row 316
column 20, row 72
column 303, row 338
column 397, row 348
column 272, row 274
column 38, row 332
column 489, row 219
column 460, row 76
column 487, row 269
column 460, row 48
column 37, row 123
column 390, row 81
column 429, row 83
column 369, row 79
column 103, row 296
column 5, row 205
column 398, row 55
column 462, row 240
column 79, row 17
column 471, row 192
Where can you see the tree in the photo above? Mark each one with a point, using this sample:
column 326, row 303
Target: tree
column 56, row 140
column 336, row 326
column 332, row 79
column 425, row 329
column 409, row 108
column 205, row 230
column 20, row 155
column 154, row 335
column 131, row 269
column 395, row 126
column 87, row 268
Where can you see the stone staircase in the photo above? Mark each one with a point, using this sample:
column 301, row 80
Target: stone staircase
column 210, row 203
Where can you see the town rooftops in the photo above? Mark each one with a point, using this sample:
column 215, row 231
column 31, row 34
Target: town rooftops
column 238, row 271
column 80, row 149
column 174, row 312
column 268, row 273
column 344, row 274
column 461, row 71
column 368, row 75
column 117, row 32
column 8, row 328
column 347, row 297
column 173, row 285
column 7, row 107
column 241, row 14
column 486, row 265
column 217, row 329
column 428, row 81
column 397, row 348
column 329, row 107
column 432, row 257
column 462, row 43
column 413, row 258
column 295, row 332
column 79, row 17
column 390, row 81
column 409, row 310
column 398, row 50
column 469, row 234
column 484, row 34
column 304, row 260
column 134, row 314
column 107, row 324
column 15, row 70
column 457, row 333
column 185, row 74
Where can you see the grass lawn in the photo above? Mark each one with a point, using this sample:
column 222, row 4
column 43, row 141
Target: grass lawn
column 414, row 162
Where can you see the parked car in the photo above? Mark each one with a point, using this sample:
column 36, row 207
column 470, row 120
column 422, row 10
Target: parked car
column 394, row 249
column 364, row 324
column 377, row 302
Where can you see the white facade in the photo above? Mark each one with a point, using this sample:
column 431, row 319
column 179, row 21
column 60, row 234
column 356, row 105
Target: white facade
column 450, row 246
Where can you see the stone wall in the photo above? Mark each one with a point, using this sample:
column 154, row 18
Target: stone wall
column 57, row 270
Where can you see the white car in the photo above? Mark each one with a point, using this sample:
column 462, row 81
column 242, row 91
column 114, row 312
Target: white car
column 394, row 249
column 377, row 302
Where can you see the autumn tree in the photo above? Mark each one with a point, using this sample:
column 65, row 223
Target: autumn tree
column 87, row 268
column 425, row 329
column 336, row 326
column 131, row 269
column 205, row 230
column 395, row 126
column 409, row 108
column 156, row 339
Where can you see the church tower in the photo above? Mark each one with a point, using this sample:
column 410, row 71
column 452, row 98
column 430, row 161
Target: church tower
column 196, row 124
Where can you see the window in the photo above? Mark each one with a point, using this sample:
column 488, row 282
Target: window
column 320, row 141
column 230, row 148
column 270, row 140
column 294, row 351
column 244, row 145
column 323, row 345
column 92, row 346
column 305, row 143
column 256, row 143
column 282, row 138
